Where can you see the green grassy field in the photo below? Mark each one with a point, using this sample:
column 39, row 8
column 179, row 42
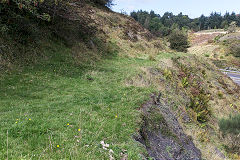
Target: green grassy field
column 59, row 110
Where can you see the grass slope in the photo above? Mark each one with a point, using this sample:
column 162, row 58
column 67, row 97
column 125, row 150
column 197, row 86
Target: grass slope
column 59, row 110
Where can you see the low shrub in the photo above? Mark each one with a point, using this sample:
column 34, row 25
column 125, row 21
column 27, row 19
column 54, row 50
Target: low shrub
column 220, row 95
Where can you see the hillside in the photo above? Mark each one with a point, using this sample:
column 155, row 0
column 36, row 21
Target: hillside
column 97, row 85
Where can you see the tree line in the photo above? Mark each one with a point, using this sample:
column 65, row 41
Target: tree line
column 163, row 25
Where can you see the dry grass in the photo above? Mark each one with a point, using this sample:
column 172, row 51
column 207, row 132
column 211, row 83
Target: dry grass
column 130, row 36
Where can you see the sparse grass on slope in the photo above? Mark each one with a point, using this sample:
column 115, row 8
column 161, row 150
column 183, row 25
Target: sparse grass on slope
column 59, row 110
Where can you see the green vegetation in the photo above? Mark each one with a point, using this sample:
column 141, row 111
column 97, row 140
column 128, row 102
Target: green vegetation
column 234, row 48
column 199, row 104
column 25, row 25
column 57, row 102
column 165, row 24
column 230, row 125
column 23, row 19
column 198, row 107
column 207, row 55
column 179, row 41
column 74, row 76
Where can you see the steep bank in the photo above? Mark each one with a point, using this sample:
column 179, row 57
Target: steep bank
column 195, row 94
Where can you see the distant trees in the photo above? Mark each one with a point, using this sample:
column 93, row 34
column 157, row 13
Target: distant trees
column 162, row 25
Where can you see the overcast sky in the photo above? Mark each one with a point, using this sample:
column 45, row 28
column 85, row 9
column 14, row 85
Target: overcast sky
column 193, row 8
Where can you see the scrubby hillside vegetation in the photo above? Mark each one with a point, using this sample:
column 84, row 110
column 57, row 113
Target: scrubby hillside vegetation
column 26, row 25
column 79, row 81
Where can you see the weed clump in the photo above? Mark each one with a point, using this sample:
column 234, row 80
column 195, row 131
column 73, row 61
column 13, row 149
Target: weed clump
column 167, row 74
column 220, row 95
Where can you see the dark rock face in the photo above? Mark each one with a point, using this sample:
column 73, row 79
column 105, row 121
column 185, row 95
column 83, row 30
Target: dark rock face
column 163, row 136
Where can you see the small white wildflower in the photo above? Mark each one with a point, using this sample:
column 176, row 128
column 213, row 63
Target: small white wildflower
column 106, row 145
column 111, row 151
column 104, row 148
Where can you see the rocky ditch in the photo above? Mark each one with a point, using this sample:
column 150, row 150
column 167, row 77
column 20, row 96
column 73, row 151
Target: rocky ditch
column 162, row 134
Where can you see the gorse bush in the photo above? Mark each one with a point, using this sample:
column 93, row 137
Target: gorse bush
column 230, row 125
column 178, row 40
